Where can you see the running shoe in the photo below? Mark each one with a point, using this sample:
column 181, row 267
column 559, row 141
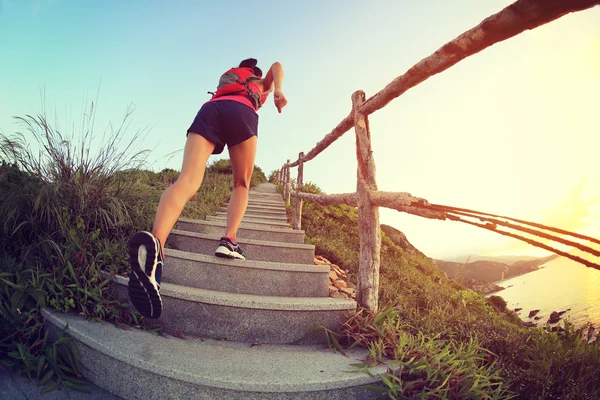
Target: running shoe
column 229, row 249
column 147, row 259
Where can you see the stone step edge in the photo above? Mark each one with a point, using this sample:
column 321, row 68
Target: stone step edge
column 255, row 227
column 299, row 246
column 213, row 222
column 252, row 220
column 247, row 301
column 264, row 265
column 266, row 202
column 257, row 203
column 272, row 199
column 258, row 221
column 257, row 215
column 265, row 211
column 61, row 321
column 262, row 204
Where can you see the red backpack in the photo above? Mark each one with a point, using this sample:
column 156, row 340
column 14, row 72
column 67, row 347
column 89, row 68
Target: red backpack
column 236, row 81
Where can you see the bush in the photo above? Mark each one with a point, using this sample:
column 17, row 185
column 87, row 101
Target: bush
column 498, row 303
column 221, row 167
column 224, row 167
column 65, row 215
column 272, row 176
column 439, row 317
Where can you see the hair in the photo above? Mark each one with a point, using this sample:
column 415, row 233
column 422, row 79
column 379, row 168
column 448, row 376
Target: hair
column 251, row 63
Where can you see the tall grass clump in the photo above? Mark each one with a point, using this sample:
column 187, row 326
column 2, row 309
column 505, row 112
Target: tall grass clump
column 59, row 209
column 69, row 201
column 426, row 316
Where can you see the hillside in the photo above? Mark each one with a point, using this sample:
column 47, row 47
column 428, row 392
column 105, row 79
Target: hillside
column 400, row 240
column 420, row 304
column 477, row 275
column 442, row 336
column 484, row 271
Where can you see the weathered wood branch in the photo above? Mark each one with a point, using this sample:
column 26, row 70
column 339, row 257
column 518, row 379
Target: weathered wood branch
column 520, row 221
column 532, row 242
column 405, row 202
column 287, row 183
column 331, row 137
column 328, row 199
column 534, row 232
column 367, row 287
column 512, row 20
column 298, row 211
column 520, row 16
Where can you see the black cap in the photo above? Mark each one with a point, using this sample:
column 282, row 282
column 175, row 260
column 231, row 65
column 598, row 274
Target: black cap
column 251, row 63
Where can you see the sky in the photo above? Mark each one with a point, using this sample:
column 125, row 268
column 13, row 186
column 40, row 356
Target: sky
column 513, row 130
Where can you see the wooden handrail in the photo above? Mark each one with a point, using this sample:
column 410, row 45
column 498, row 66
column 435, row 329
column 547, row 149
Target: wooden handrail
column 520, row 16
column 511, row 21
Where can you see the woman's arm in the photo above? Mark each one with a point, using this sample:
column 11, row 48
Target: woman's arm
column 274, row 80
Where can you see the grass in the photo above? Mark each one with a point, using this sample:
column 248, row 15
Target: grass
column 66, row 213
column 445, row 340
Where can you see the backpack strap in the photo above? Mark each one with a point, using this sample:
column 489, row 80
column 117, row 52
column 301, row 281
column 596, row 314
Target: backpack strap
column 237, row 81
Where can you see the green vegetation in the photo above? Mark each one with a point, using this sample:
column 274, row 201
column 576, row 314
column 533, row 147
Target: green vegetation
column 447, row 341
column 66, row 214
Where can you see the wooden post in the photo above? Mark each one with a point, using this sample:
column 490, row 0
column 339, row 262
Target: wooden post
column 283, row 178
column 298, row 213
column 367, row 290
column 287, row 183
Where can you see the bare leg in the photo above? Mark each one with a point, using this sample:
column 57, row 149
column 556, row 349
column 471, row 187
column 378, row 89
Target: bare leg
column 242, row 157
column 196, row 153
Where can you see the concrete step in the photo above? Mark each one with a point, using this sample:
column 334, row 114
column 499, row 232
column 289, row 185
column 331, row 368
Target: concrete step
column 254, row 203
column 261, row 193
column 277, row 218
column 266, row 187
column 245, row 231
column 244, row 317
column 138, row 365
column 297, row 253
column 254, row 219
column 266, row 199
column 245, row 277
column 267, row 207
column 265, row 194
column 249, row 220
column 266, row 211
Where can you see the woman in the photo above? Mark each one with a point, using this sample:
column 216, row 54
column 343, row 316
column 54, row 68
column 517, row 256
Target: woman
column 229, row 118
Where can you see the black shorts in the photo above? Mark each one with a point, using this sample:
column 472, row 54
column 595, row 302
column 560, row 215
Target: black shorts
column 225, row 122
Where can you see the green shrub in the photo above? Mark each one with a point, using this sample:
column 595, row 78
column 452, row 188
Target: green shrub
column 24, row 346
column 498, row 303
column 224, row 167
column 221, row 167
column 65, row 215
column 272, row 176
column 439, row 316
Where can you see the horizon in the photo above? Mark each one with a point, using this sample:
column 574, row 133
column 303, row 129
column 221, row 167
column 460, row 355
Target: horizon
column 509, row 130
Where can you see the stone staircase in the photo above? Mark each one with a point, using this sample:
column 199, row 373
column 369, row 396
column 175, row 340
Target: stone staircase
column 242, row 329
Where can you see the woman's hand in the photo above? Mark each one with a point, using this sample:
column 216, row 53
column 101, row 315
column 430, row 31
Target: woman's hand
column 280, row 100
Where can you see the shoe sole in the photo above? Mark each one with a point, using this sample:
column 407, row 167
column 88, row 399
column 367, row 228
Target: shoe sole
column 143, row 294
column 224, row 252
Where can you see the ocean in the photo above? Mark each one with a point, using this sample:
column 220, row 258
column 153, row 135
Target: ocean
column 560, row 284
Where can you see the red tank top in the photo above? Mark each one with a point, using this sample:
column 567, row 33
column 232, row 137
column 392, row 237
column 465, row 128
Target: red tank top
column 242, row 98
